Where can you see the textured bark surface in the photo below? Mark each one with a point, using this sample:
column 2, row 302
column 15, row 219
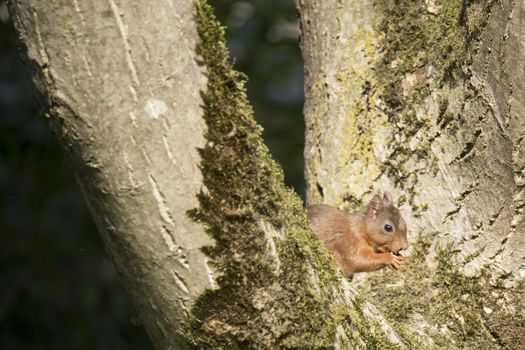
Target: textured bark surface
column 125, row 104
column 425, row 99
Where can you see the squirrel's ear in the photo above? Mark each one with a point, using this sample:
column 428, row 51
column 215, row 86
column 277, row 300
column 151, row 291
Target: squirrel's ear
column 375, row 205
column 387, row 200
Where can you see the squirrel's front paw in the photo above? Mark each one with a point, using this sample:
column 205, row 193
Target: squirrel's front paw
column 396, row 261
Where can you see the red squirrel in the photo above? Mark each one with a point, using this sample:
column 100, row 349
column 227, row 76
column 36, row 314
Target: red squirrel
column 364, row 241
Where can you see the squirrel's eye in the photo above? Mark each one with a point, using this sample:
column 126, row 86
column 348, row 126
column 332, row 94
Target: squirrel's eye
column 388, row 228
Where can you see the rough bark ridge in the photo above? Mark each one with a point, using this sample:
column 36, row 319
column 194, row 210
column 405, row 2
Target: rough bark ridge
column 426, row 99
column 120, row 85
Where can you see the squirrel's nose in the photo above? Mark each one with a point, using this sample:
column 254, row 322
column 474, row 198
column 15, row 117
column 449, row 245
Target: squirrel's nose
column 400, row 245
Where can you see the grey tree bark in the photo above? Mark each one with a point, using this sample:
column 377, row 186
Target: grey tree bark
column 426, row 99
column 124, row 102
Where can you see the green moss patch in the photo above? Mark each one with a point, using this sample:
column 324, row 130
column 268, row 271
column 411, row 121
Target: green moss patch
column 263, row 299
column 431, row 39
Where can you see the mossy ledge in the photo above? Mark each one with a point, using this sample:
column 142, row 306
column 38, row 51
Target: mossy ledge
column 446, row 309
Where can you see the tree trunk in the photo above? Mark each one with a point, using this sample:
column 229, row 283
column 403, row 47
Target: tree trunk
column 122, row 88
column 124, row 102
column 426, row 99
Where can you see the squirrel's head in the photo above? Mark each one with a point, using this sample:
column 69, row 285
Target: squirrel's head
column 384, row 225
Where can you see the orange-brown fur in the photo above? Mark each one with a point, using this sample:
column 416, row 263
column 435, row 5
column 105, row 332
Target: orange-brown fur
column 359, row 241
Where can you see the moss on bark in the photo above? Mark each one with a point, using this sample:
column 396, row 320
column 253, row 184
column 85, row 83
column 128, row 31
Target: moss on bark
column 443, row 308
column 268, row 261
column 427, row 46
column 430, row 38
column 277, row 285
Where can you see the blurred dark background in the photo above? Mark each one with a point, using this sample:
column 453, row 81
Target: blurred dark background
column 58, row 288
